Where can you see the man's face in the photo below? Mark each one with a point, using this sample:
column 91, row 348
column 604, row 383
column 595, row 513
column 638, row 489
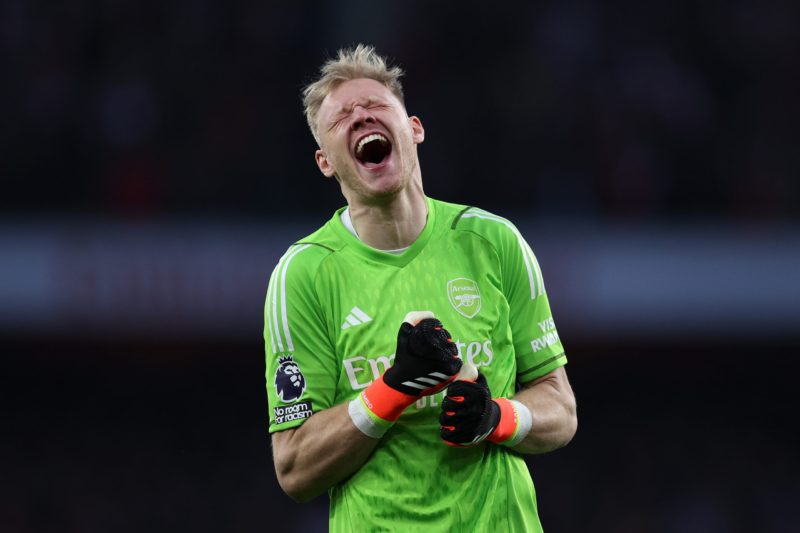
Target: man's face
column 367, row 140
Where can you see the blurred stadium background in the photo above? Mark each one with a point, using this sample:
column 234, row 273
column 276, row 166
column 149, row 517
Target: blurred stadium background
column 155, row 164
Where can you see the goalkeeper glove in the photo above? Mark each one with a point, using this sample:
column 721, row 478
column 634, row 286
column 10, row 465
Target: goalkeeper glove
column 425, row 361
column 470, row 415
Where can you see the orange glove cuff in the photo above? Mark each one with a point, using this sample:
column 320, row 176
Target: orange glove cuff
column 509, row 421
column 384, row 401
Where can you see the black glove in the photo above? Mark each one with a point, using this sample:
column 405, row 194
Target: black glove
column 425, row 361
column 469, row 415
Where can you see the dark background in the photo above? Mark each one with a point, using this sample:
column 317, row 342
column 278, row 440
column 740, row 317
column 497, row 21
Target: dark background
column 163, row 144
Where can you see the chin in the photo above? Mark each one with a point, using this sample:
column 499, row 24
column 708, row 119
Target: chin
column 379, row 192
column 384, row 194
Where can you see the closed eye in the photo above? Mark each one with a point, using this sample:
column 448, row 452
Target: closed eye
column 336, row 123
column 342, row 117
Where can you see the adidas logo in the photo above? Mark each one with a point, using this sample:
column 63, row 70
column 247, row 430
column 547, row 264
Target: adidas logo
column 355, row 317
column 426, row 382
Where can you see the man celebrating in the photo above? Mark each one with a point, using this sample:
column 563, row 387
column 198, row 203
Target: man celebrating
column 388, row 421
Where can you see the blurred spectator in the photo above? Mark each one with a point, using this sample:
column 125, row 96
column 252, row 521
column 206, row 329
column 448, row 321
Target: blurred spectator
column 642, row 110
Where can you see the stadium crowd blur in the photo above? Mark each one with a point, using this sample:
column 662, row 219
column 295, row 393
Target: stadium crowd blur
column 624, row 108
column 578, row 110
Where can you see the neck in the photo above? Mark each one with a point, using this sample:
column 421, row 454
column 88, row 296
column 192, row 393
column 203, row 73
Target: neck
column 394, row 224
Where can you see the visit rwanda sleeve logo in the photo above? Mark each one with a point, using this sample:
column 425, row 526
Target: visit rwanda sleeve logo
column 464, row 295
column 290, row 384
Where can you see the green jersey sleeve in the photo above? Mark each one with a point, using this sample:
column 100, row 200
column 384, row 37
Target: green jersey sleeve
column 538, row 349
column 301, row 369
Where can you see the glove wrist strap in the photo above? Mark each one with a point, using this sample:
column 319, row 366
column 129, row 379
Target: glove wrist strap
column 377, row 408
column 514, row 425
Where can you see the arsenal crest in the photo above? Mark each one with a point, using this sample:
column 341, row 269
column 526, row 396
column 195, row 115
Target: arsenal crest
column 464, row 296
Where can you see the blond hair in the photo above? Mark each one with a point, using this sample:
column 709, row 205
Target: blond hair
column 350, row 64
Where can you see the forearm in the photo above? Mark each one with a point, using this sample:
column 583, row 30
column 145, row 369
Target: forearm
column 552, row 405
column 323, row 451
column 334, row 443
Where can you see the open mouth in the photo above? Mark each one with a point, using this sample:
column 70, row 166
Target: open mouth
column 373, row 150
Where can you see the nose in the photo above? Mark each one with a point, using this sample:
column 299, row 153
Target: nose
column 361, row 117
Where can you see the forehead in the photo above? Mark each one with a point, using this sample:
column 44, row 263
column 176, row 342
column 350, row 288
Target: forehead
column 354, row 91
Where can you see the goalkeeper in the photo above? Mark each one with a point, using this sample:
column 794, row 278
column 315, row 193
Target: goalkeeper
column 411, row 355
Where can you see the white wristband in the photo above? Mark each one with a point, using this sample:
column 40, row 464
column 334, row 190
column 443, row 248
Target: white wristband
column 524, row 424
column 364, row 420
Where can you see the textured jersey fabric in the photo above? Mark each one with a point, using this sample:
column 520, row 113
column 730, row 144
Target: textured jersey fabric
column 333, row 309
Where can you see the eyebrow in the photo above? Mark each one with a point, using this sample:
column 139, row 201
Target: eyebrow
column 345, row 109
column 369, row 100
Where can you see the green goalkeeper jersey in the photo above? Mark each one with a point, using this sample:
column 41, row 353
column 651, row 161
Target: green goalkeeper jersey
column 333, row 310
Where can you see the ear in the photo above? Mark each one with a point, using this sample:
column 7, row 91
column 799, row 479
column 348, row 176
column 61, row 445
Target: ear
column 324, row 164
column 417, row 131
